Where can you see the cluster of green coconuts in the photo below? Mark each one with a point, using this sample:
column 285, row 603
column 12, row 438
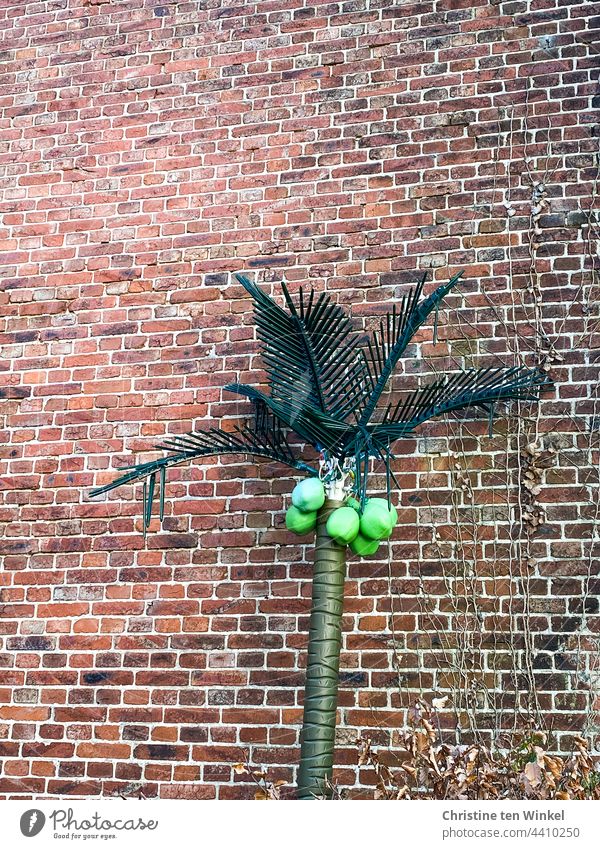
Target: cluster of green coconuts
column 362, row 530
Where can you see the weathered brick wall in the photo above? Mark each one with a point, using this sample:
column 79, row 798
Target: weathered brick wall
column 149, row 149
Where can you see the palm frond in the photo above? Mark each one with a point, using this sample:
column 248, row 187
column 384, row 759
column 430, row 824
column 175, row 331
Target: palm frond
column 317, row 428
column 393, row 335
column 264, row 436
column 311, row 351
column 479, row 388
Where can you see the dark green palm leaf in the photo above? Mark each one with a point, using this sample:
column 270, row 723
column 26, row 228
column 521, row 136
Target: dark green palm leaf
column 263, row 437
column 479, row 388
column 310, row 351
column 393, row 335
column 317, row 428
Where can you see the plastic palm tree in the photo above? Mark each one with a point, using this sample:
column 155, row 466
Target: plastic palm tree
column 326, row 383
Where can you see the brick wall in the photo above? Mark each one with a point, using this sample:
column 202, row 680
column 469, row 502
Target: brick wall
column 147, row 150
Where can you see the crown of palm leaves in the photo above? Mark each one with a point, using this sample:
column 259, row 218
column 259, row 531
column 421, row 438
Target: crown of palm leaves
column 326, row 382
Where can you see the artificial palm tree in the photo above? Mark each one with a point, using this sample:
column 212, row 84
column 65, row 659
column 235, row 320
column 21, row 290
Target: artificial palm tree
column 326, row 382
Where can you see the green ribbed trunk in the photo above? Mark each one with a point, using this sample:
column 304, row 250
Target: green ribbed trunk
column 323, row 663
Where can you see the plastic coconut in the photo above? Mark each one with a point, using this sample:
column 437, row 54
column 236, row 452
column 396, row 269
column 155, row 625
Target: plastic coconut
column 308, row 495
column 299, row 522
column 343, row 525
column 376, row 522
column 382, row 502
column 363, row 546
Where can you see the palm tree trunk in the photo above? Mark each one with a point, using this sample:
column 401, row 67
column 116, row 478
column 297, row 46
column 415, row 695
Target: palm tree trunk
column 324, row 644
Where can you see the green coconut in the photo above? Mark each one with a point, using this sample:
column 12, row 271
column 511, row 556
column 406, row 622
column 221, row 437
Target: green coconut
column 343, row 525
column 363, row 546
column 354, row 503
column 299, row 522
column 376, row 522
column 308, row 495
column 382, row 502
